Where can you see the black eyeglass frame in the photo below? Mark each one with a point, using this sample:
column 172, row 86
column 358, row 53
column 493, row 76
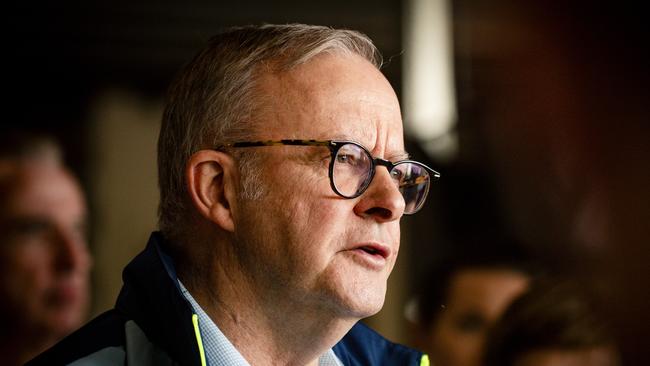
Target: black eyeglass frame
column 334, row 146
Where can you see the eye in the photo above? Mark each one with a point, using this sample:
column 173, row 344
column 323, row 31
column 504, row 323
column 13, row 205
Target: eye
column 470, row 323
column 346, row 159
column 31, row 227
column 397, row 174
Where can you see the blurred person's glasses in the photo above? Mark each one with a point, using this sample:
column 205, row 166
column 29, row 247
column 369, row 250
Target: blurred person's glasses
column 352, row 169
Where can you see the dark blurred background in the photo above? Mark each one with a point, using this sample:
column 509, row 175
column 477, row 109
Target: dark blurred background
column 551, row 148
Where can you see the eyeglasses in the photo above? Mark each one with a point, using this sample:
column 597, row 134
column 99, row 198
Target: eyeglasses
column 352, row 169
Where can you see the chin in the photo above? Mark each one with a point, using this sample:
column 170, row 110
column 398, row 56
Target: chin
column 64, row 322
column 364, row 302
column 353, row 292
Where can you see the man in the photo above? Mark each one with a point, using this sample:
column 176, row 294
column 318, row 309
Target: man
column 271, row 247
column 44, row 262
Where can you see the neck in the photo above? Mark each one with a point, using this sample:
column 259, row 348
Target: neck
column 266, row 329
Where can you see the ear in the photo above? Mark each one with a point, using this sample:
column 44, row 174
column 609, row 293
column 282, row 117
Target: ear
column 211, row 178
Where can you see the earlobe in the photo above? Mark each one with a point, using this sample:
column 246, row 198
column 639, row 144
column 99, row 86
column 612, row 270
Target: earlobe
column 210, row 182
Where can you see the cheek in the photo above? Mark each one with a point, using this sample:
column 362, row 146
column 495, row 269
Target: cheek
column 446, row 334
column 312, row 224
column 31, row 258
column 303, row 215
column 314, row 232
column 310, row 206
column 26, row 278
column 449, row 346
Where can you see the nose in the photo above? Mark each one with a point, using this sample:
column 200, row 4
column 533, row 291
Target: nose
column 382, row 201
column 71, row 251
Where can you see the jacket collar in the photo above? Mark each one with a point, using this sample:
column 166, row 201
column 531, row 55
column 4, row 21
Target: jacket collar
column 151, row 297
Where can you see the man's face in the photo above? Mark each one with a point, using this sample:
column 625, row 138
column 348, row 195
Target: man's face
column 44, row 262
column 476, row 298
column 303, row 243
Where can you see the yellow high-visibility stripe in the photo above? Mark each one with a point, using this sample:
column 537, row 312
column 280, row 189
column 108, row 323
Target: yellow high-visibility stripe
column 424, row 361
column 197, row 333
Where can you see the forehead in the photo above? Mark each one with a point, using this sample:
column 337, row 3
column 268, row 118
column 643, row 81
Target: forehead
column 331, row 97
column 41, row 190
column 488, row 289
column 486, row 278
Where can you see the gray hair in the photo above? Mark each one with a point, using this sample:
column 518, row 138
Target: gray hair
column 212, row 100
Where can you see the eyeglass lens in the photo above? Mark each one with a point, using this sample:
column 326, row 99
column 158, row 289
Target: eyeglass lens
column 352, row 166
column 352, row 173
column 413, row 183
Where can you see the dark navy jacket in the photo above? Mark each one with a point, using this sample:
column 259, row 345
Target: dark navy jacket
column 153, row 324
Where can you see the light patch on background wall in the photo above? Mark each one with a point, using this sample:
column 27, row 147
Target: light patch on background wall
column 428, row 83
column 124, row 191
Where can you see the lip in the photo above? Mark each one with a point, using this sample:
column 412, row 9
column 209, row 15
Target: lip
column 371, row 255
column 65, row 294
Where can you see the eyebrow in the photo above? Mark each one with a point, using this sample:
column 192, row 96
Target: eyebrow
column 401, row 155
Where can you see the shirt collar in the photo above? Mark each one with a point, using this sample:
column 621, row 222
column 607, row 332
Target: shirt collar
column 218, row 349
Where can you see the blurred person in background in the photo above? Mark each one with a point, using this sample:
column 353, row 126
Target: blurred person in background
column 457, row 304
column 555, row 323
column 561, row 96
column 44, row 260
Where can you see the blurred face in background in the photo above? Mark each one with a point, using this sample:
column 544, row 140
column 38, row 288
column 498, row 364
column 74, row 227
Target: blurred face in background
column 476, row 298
column 595, row 356
column 44, row 262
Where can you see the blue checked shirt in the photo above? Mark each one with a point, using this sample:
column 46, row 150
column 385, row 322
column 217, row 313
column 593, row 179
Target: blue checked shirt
column 218, row 349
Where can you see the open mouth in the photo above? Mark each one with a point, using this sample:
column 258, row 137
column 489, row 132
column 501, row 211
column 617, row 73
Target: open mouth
column 374, row 250
column 371, row 256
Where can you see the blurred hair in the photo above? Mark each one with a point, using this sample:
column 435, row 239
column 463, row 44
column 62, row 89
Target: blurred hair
column 213, row 100
column 28, row 146
column 21, row 148
column 552, row 314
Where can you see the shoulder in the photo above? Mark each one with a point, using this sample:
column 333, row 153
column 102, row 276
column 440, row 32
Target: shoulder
column 363, row 346
column 104, row 335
